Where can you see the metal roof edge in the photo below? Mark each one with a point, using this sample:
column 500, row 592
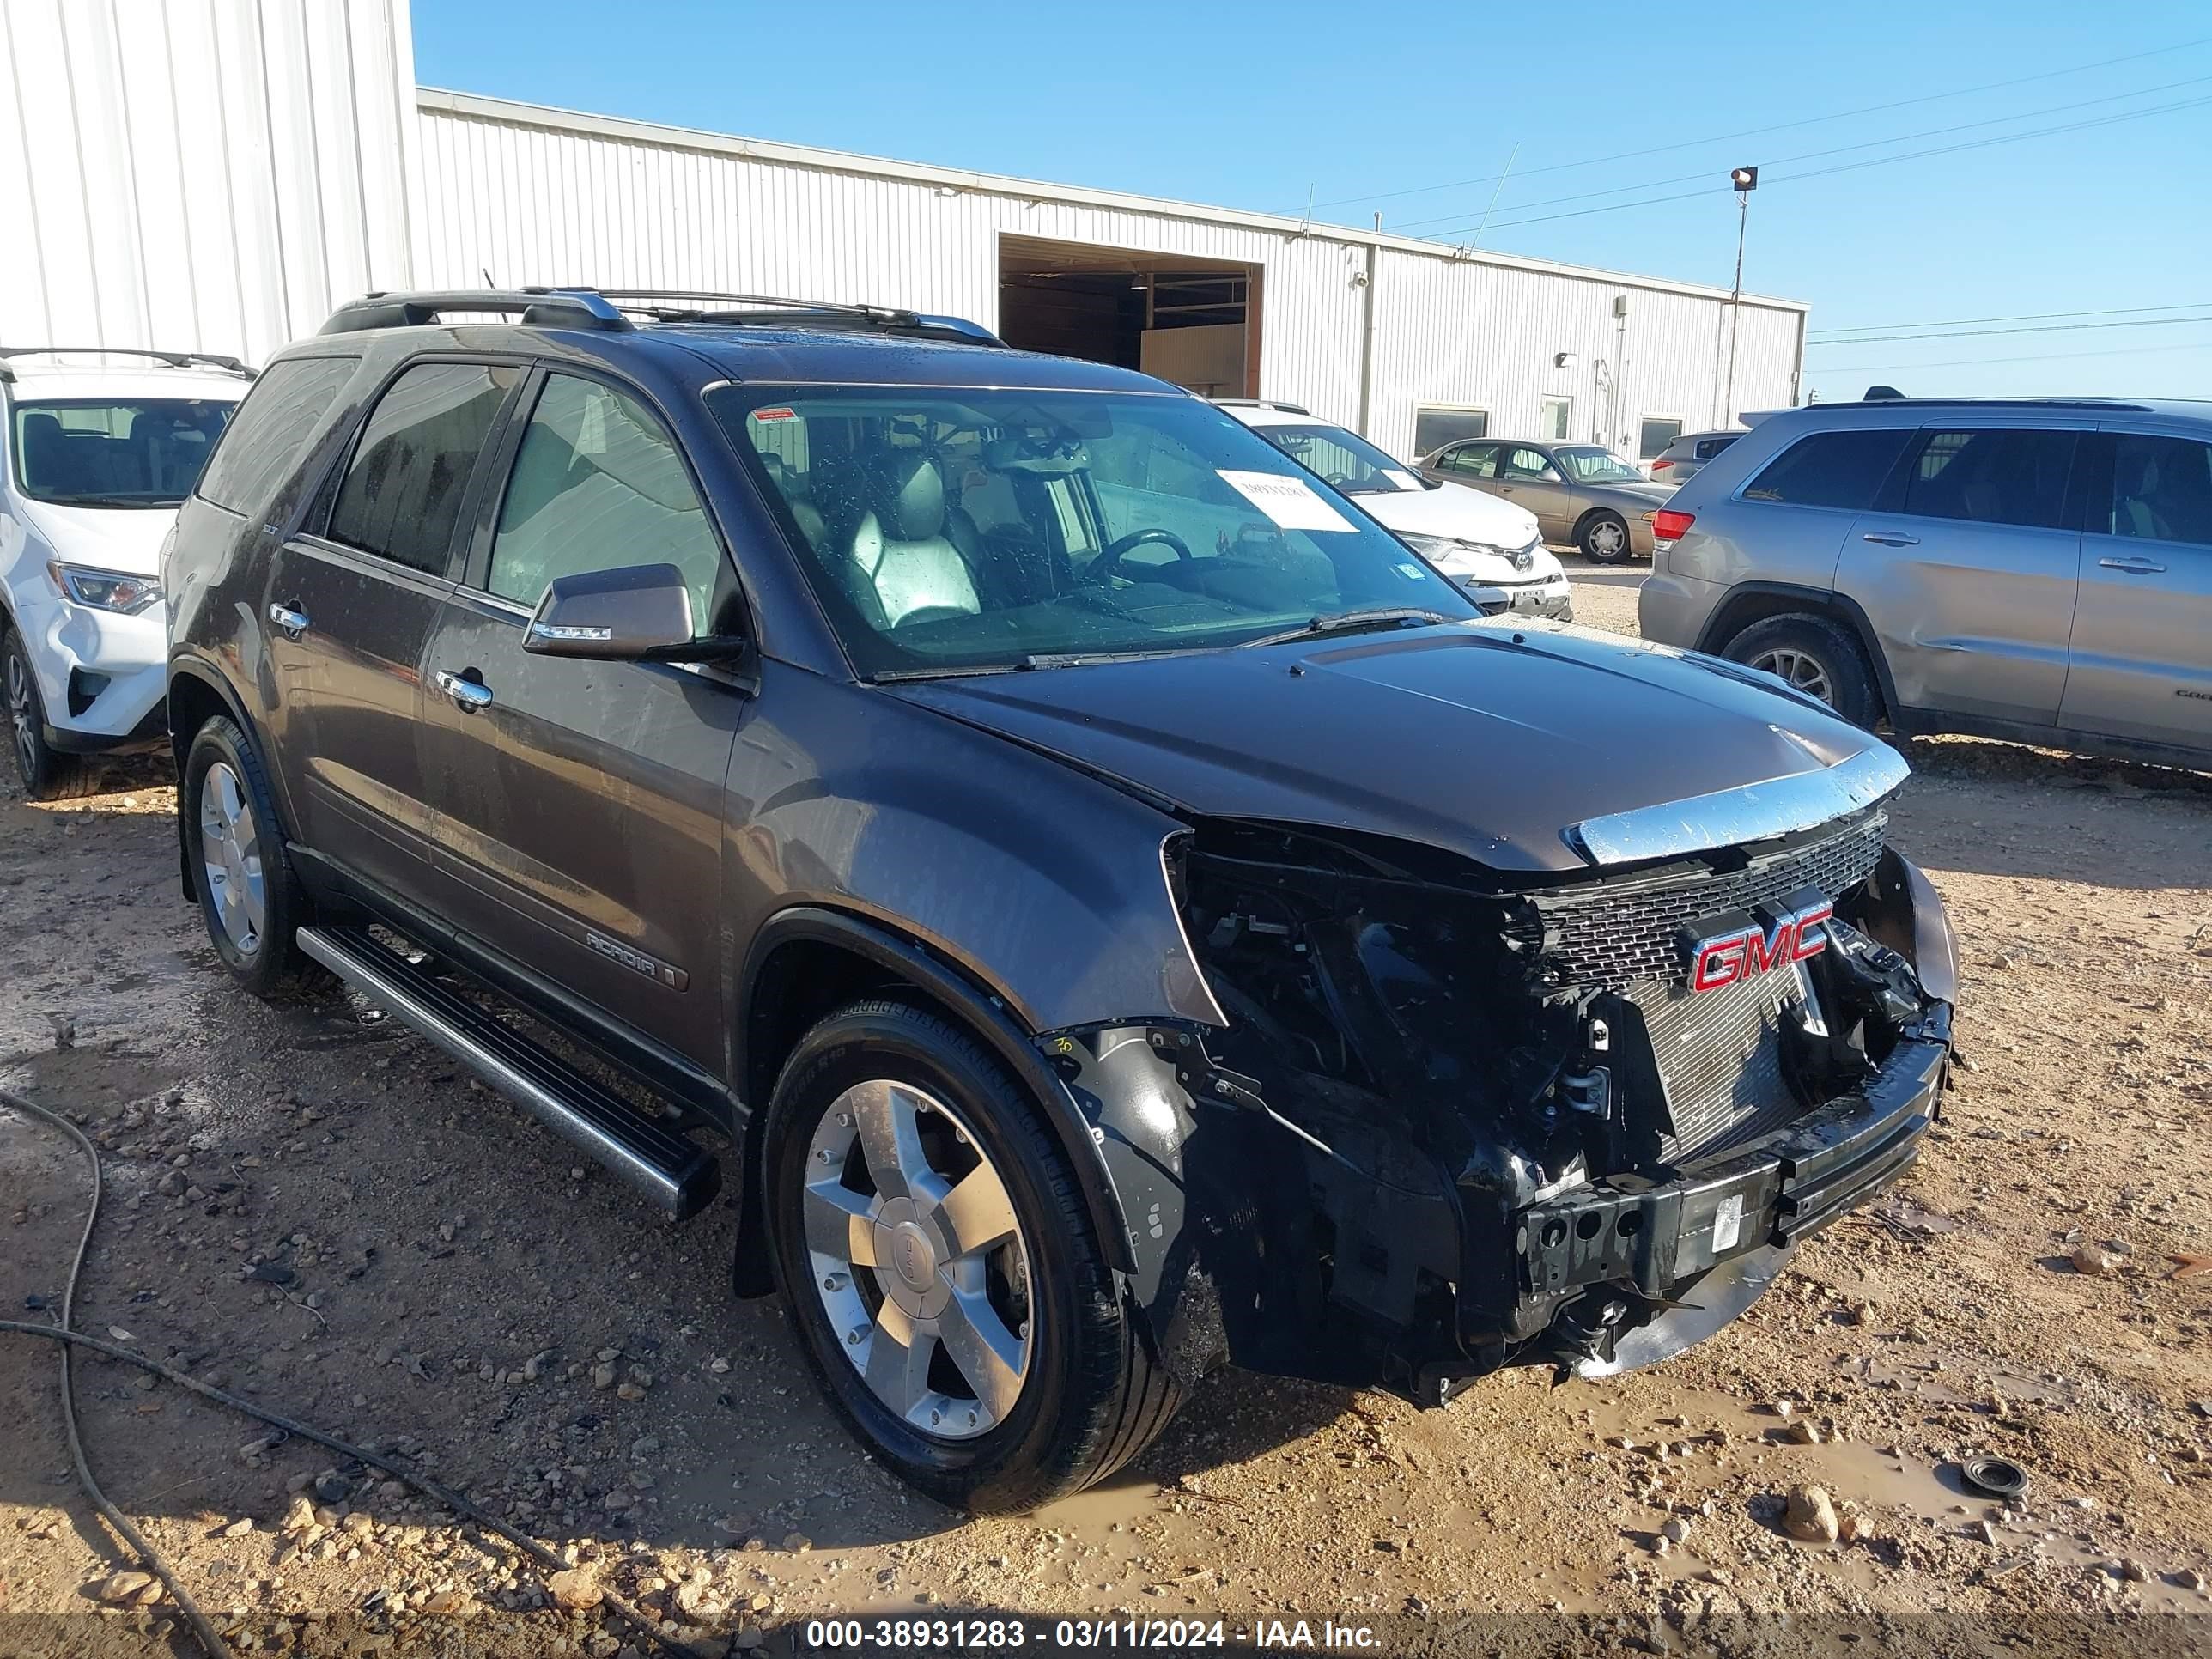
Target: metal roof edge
column 552, row 117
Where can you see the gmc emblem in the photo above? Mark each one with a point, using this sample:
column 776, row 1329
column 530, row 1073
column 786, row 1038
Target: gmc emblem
column 1724, row 950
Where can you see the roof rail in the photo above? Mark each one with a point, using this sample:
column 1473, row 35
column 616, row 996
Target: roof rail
column 1262, row 402
column 173, row 359
column 2115, row 406
column 757, row 309
column 535, row 308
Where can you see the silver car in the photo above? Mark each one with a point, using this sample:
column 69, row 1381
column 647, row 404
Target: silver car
column 2035, row 570
column 1580, row 493
column 1684, row 459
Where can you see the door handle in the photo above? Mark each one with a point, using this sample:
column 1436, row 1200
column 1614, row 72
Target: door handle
column 1891, row 538
column 468, row 693
column 294, row 623
column 2134, row 567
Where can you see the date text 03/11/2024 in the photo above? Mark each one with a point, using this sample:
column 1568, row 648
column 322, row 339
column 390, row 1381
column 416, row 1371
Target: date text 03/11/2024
column 988, row 1634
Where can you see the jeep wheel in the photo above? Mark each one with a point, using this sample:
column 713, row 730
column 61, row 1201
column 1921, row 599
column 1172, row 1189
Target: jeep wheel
column 47, row 772
column 1603, row 538
column 934, row 1246
column 249, row 896
column 1814, row 655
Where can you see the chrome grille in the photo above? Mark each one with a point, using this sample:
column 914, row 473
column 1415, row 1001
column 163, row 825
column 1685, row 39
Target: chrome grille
column 1620, row 932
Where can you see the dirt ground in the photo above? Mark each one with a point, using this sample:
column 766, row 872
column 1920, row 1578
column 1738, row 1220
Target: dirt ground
column 314, row 1209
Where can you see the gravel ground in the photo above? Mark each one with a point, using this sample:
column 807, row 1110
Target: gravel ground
column 312, row 1208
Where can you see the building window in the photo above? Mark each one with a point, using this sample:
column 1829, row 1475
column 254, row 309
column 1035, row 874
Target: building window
column 1436, row 425
column 1655, row 436
column 1557, row 415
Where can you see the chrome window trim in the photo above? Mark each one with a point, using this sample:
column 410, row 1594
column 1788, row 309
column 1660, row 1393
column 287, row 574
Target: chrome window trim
column 1729, row 817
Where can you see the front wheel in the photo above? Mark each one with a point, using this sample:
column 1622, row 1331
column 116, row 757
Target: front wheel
column 47, row 772
column 1603, row 538
column 933, row 1243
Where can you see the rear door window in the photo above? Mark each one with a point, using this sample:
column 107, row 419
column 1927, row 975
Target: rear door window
column 403, row 490
column 1475, row 460
column 1831, row 469
column 1709, row 447
column 2161, row 490
column 2000, row 475
column 271, row 430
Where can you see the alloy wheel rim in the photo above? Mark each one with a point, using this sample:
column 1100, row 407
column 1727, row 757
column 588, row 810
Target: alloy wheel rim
column 1803, row 671
column 1605, row 539
column 919, row 1259
column 230, row 857
column 21, row 716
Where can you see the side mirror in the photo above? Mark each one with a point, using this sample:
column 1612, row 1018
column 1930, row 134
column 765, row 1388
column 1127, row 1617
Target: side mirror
column 613, row 615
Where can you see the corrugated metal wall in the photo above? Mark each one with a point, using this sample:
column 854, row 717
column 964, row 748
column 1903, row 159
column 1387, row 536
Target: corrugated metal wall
column 526, row 195
column 199, row 174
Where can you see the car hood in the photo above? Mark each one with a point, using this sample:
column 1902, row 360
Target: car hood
column 1488, row 739
column 1455, row 511
column 125, row 539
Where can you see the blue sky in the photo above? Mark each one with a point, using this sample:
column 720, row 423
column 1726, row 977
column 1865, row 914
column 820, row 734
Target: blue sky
column 1366, row 108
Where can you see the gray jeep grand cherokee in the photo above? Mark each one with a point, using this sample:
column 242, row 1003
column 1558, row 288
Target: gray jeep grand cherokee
column 1121, row 911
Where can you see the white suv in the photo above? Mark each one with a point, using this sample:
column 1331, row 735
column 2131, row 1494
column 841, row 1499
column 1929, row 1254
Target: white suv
column 94, row 460
column 1488, row 547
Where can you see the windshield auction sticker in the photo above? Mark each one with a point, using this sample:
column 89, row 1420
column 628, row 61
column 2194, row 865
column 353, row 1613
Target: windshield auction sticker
column 1291, row 502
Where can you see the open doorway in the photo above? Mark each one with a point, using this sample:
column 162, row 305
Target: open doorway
column 1195, row 322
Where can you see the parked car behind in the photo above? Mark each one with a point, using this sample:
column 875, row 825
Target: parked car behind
column 1489, row 547
column 1682, row 460
column 94, row 457
column 1122, row 915
column 2038, row 570
column 1580, row 493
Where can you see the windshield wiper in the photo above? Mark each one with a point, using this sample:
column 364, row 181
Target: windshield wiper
column 111, row 500
column 1353, row 622
column 1028, row 662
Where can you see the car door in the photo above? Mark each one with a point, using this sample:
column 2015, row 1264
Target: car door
column 1473, row 463
column 348, row 605
column 1969, row 580
column 2140, row 664
column 582, row 800
column 1526, row 475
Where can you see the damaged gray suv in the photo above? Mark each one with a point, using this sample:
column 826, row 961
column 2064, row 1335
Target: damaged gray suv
column 1111, row 909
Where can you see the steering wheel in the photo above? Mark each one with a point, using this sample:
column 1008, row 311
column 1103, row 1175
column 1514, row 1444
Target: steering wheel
column 1108, row 565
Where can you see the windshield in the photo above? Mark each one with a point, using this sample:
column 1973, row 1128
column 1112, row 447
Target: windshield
column 948, row 529
column 1347, row 460
column 147, row 452
column 1587, row 464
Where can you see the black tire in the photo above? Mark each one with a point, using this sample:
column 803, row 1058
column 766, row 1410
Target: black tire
column 1604, row 537
column 1093, row 1396
column 1816, row 654
column 47, row 774
column 271, row 964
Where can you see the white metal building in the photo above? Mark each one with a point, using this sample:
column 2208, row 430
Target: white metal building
column 216, row 174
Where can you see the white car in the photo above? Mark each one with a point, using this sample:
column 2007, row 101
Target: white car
column 95, row 461
column 1489, row 547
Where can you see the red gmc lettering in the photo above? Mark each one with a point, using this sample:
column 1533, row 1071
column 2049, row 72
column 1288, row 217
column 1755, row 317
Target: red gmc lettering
column 1723, row 961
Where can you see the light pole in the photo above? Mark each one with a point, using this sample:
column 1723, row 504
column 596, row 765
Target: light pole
column 1746, row 180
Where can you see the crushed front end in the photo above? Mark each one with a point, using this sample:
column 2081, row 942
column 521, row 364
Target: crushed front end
column 1459, row 1121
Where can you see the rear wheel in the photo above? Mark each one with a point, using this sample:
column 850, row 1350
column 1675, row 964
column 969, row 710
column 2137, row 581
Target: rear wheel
column 47, row 772
column 1604, row 537
column 1814, row 655
column 932, row 1245
column 252, row 901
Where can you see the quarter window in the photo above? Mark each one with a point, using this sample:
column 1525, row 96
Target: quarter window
column 1831, row 469
column 402, row 493
column 271, row 429
column 599, row 483
column 2161, row 489
column 2001, row 477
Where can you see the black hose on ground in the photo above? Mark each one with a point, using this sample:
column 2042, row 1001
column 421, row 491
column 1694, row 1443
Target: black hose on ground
column 69, row 1338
